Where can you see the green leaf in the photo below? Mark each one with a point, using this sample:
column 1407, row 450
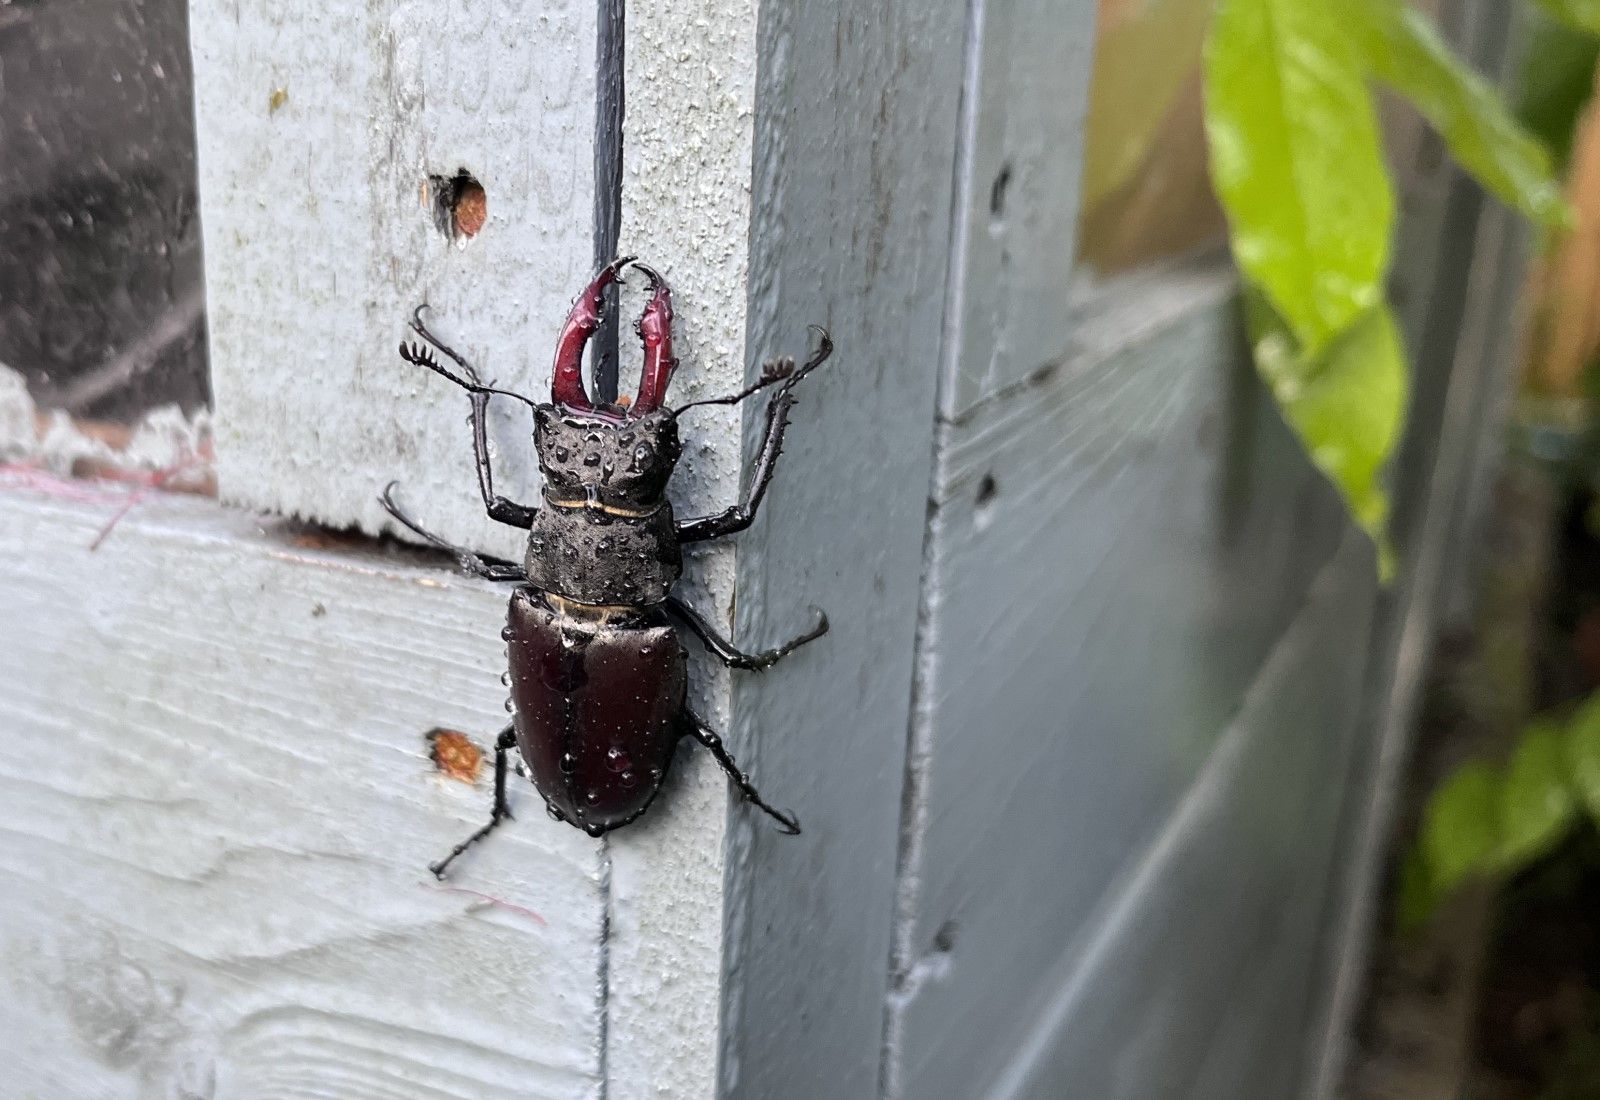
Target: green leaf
column 1296, row 162
column 1582, row 14
column 1403, row 49
column 1415, row 896
column 1346, row 404
column 1583, row 754
column 1538, row 805
column 1461, row 827
column 1556, row 81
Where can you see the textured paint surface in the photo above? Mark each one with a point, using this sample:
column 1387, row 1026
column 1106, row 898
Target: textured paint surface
column 690, row 72
column 318, row 241
column 856, row 123
column 219, row 807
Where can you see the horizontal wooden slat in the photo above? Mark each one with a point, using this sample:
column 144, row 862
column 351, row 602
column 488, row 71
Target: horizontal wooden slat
column 318, row 127
column 1117, row 545
column 218, row 811
column 1195, row 978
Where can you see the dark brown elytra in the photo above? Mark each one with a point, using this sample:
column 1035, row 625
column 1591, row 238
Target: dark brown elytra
column 598, row 675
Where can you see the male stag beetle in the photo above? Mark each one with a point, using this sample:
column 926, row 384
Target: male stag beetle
column 597, row 673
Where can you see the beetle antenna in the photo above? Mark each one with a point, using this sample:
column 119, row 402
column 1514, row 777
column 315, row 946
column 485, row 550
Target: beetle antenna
column 772, row 373
column 422, row 330
column 422, row 357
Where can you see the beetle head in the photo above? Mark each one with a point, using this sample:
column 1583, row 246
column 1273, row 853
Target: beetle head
column 605, row 459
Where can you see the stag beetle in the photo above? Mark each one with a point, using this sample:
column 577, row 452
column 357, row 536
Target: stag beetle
column 597, row 672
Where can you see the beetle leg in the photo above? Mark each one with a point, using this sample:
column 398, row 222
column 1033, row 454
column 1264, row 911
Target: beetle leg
column 501, row 810
column 729, row 654
column 742, row 515
column 477, row 565
column 694, row 727
column 500, row 508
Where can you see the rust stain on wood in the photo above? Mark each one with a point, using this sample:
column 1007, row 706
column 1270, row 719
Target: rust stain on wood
column 454, row 754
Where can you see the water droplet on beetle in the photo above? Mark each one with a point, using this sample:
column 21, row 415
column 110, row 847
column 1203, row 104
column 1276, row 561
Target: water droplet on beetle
column 510, row 706
column 592, row 458
column 628, row 779
column 555, row 814
column 505, row 678
column 617, row 760
column 591, row 797
column 505, row 634
column 568, row 763
column 562, row 454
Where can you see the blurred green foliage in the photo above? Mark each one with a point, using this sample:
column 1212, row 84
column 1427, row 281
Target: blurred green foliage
column 1485, row 821
column 1297, row 162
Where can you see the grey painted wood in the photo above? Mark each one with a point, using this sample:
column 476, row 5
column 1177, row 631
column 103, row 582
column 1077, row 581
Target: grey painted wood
column 318, row 242
column 1192, row 982
column 218, row 811
column 1017, row 185
column 854, row 152
column 686, row 208
column 1115, row 550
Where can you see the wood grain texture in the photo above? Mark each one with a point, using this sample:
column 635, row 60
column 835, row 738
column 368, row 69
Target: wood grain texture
column 318, row 243
column 1017, row 189
column 857, row 111
column 219, row 809
column 1115, row 549
column 1242, row 868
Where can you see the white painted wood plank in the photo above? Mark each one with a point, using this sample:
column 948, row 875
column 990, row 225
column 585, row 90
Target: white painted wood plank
column 1115, row 549
column 857, row 111
column 1017, row 193
column 318, row 244
column 1139, row 1012
column 690, row 88
column 218, row 809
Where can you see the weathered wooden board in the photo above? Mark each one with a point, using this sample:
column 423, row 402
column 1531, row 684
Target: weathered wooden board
column 857, row 110
column 219, row 809
column 318, row 127
column 1018, row 178
column 1242, row 868
column 690, row 85
column 1115, row 550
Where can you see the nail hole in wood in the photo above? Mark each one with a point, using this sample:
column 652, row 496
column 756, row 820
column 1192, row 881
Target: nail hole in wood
column 459, row 205
column 997, row 191
column 988, row 489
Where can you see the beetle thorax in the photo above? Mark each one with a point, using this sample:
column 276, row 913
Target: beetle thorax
column 621, row 463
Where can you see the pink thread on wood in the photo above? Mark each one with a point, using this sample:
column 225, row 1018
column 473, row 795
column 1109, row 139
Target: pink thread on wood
column 490, row 899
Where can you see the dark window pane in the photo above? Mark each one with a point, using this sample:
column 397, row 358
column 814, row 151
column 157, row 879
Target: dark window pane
column 101, row 307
